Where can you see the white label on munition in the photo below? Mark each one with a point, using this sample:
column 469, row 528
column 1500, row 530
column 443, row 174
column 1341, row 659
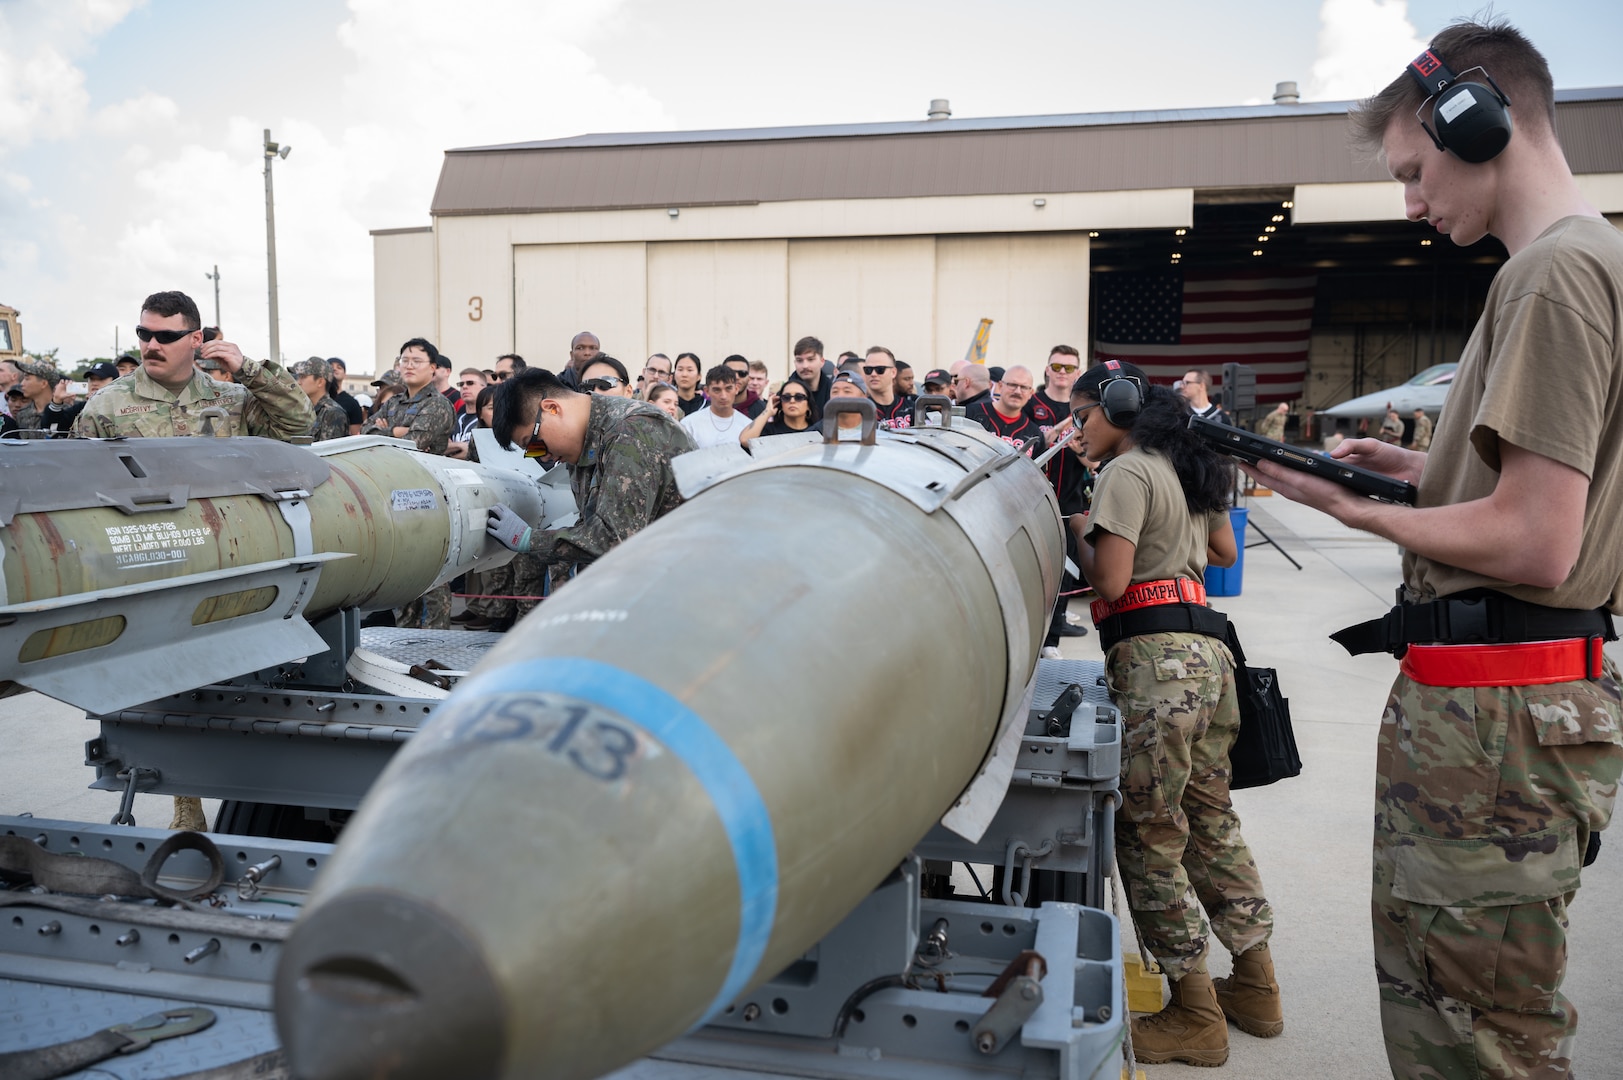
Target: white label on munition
column 411, row 499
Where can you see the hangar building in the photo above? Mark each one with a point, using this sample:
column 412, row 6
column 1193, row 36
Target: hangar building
column 907, row 234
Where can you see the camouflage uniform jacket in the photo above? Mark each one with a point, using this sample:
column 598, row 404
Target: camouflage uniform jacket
column 331, row 420
column 426, row 413
column 622, row 481
column 28, row 418
column 264, row 400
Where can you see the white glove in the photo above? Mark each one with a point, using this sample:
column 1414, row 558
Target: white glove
column 510, row 530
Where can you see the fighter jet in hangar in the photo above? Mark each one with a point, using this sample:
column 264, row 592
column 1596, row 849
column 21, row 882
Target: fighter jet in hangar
column 1426, row 390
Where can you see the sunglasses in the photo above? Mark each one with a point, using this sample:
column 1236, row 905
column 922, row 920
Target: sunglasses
column 793, row 397
column 1063, row 369
column 500, row 376
column 879, row 369
column 469, row 382
column 608, row 382
column 165, row 337
column 537, row 446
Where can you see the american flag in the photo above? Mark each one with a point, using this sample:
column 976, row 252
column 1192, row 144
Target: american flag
column 1168, row 323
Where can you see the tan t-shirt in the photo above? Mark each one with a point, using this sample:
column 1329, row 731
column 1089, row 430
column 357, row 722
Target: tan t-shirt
column 1138, row 498
column 1543, row 371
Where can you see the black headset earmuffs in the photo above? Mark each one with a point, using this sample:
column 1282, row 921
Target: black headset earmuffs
column 1121, row 399
column 1472, row 121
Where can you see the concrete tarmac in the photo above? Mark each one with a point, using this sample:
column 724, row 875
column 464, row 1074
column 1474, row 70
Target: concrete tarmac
column 1310, row 835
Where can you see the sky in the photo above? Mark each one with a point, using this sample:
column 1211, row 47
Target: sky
column 130, row 131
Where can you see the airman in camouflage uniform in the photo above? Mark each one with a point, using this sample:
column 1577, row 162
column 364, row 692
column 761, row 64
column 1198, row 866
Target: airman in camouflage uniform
column 1177, row 836
column 1486, row 795
column 1272, row 426
column 619, row 455
column 28, row 417
column 314, row 376
column 262, row 401
column 428, row 416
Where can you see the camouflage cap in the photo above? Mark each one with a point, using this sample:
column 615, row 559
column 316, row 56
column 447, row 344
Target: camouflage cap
column 207, row 364
column 314, row 366
column 390, row 378
column 41, row 368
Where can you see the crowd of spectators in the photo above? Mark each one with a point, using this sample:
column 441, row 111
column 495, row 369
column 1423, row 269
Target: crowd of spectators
column 427, row 398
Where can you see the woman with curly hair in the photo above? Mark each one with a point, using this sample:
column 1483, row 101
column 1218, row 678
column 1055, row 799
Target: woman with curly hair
column 1159, row 516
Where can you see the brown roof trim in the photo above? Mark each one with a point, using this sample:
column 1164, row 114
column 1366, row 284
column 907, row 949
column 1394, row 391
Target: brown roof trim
column 1262, row 146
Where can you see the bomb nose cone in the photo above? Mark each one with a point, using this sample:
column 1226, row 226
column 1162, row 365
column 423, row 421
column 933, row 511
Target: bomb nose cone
column 376, row 985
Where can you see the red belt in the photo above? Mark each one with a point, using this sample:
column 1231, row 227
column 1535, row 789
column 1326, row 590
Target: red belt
column 1150, row 594
column 1530, row 663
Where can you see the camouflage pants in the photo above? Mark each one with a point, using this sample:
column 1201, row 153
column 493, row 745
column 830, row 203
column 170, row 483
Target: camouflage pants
column 530, row 577
column 430, row 611
column 1484, row 801
column 1178, row 839
column 497, row 582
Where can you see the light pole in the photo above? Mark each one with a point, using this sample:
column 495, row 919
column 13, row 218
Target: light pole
column 215, row 277
column 272, row 152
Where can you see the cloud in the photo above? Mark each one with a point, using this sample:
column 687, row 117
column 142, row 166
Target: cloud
column 421, row 79
column 133, row 116
column 1363, row 45
column 42, row 90
column 42, row 96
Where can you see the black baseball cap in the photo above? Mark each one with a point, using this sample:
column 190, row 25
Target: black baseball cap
column 1096, row 376
column 103, row 370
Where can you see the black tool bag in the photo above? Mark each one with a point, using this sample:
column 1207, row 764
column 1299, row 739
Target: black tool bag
column 1265, row 749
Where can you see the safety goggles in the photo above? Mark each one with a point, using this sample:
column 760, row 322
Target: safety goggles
column 537, row 446
column 165, row 337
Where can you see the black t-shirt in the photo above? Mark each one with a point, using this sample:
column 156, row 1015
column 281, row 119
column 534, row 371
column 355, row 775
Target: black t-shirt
column 60, row 418
column 776, row 426
column 1214, row 411
column 1064, row 470
column 1014, row 432
column 1070, row 479
column 898, row 414
column 825, row 383
column 690, row 406
column 982, row 398
column 1045, row 411
column 351, row 407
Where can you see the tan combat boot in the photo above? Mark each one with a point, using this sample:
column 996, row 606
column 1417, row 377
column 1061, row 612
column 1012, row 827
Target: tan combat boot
column 189, row 814
column 1190, row 1029
column 1250, row 997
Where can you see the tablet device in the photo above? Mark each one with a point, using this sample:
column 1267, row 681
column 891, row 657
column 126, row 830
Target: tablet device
column 1242, row 444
